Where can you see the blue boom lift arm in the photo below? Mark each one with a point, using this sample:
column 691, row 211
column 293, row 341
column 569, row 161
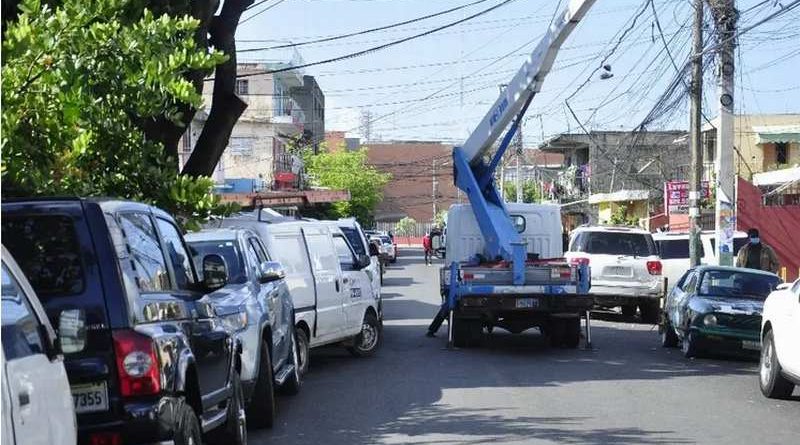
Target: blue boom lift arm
column 475, row 177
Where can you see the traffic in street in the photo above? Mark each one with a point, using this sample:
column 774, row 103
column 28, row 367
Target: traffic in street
column 512, row 389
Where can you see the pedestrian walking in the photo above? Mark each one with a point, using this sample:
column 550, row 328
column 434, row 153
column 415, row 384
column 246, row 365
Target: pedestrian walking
column 757, row 255
column 427, row 246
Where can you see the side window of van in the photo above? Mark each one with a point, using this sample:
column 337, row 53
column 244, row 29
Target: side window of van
column 291, row 252
column 343, row 251
column 322, row 255
column 147, row 260
column 21, row 334
column 176, row 253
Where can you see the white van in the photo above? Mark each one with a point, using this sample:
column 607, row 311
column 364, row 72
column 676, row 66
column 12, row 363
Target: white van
column 673, row 248
column 370, row 276
column 329, row 305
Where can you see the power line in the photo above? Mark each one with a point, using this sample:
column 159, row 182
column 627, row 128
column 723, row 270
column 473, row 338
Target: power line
column 241, row 22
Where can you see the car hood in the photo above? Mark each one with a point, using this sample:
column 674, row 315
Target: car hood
column 731, row 306
column 229, row 299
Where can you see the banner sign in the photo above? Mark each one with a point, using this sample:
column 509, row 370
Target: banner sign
column 676, row 196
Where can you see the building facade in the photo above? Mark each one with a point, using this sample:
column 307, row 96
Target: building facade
column 311, row 100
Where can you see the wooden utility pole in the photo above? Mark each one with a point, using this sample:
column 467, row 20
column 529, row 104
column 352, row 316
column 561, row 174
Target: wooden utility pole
column 725, row 18
column 695, row 114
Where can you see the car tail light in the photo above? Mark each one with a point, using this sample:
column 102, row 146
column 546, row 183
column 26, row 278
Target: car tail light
column 137, row 364
column 105, row 439
column 654, row 267
column 468, row 276
column 579, row 261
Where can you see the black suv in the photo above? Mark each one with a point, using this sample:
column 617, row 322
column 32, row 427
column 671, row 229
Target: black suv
column 146, row 355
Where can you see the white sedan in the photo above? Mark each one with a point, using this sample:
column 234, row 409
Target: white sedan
column 779, row 370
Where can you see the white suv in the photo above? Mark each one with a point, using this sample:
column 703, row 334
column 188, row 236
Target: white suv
column 779, row 370
column 625, row 268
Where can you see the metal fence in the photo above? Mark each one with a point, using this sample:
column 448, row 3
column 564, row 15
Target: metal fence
column 419, row 229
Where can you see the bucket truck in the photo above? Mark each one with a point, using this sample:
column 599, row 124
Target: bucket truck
column 502, row 272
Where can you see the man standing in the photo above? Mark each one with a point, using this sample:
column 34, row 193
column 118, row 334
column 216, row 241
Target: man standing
column 757, row 255
column 427, row 246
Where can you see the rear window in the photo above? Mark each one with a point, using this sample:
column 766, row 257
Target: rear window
column 228, row 250
column 615, row 243
column 675, row 249
column 738, row 243
column 386, row 240
column 355, row 240
column 46, row 248
column 725, row 283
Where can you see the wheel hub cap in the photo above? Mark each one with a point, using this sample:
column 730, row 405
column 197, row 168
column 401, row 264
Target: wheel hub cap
column 368, row 336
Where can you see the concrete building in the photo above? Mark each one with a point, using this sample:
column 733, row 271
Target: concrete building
column 422, row 179
column 763, row 142
column 338, row 140
column 257, row 157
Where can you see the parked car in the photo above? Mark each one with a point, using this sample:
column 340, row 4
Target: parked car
column 270, row 357
column 716, row 309
column 779, row 369
column 34, row 381
column 625, row 267
column 360, row 246
column 327, row 305
column 388, row 248
column 673, row 248
column 148, row 359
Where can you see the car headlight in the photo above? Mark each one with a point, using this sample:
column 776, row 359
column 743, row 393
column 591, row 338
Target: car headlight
column 235, row 322
column 710, row 320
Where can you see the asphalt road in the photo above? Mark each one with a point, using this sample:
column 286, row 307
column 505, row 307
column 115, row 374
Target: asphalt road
column 627, row 390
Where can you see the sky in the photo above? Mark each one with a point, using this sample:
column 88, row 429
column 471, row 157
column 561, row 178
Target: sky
column 438, row 87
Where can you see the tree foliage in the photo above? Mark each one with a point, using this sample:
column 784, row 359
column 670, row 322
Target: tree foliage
column 406, row 226
column 440, row 219
column 348, row 170
column 80, row 82
column 531, row 192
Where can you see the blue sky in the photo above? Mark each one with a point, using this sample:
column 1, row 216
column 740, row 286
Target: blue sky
column 461, row 67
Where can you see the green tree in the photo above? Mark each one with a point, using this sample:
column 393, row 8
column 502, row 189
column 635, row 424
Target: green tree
column 348, row 170
column 440, row 219
column 622, row 218
column 406, row 226
column 531, row 192
column 80, row 83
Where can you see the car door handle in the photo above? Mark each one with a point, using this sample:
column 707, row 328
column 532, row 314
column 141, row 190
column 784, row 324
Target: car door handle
column 24, row 399
column 345, row 280
column 337, row 285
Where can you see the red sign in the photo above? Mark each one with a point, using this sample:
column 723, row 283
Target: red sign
column 285, row 177
column 676, row 196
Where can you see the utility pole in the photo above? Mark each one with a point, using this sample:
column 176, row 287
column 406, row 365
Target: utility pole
column 696, row 109
column 434, row 184
column 725, row 18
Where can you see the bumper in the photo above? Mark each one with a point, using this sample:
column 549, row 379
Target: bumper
column 498, row 305
column 625, row 290
column 723, row 341
column 140, row 422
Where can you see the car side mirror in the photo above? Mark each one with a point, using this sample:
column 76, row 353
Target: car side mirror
column 271, row 271
column 72, row 331
column 373, row 250
column 215, row 271
column 363, row 261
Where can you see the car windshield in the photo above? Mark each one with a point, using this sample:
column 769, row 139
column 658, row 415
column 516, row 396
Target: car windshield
column 229, row 250
column 355, row 240
column 737, row 284
column 616, row 243
column 386, row 240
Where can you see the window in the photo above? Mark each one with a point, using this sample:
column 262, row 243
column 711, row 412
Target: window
column 47, row 250
column 259, row 250
column 242, row 87
column 671, row 249
column 176, row 253
column 732, row 284
column 616, row 243
column 343, row 250
column 227, row 250
column 20, row 328
column 738, row 243
column 781, row 152
column 147, row 259
column 519, row 223
column 241, row 146
column 323, row 257
column 355, row 240
column 291, row 252
column 691, row 284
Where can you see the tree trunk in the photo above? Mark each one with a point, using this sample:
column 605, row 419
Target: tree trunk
column 226, row 106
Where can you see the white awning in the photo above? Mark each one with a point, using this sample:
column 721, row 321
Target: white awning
column 777, row 177
column 620, row 196
column 777, row 133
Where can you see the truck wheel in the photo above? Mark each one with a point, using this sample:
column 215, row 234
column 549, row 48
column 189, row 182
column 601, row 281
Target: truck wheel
column 650, row 310
column 466, row 332
column 628, row 310
column 572, row 332
column 368, row 341
column 556, row 330
column 772, row 383
column 668, row 337
column 262, row 406
column 187, row 430
column 234, row 432
column 292, row 384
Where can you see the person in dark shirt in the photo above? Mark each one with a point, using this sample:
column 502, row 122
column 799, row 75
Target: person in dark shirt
column 757, row 255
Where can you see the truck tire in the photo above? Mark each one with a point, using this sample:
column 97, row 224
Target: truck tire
column 556, row 331
column 650, row 310
column 295, row 380
column 773, row 384
column 261, row 410
column 628, row 310
column 187, row 431
column 466, row 332
column 572, row 332
column 367, row 342
column 234, row 432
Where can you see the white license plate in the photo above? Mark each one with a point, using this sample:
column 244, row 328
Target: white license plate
column 618, row 271
column 90, row 397
column 752, row 345
column 527, row 303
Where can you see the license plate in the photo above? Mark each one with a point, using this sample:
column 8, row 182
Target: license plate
column 618, row 271
column 527, row 303
column 752, row 345
column 90, row 397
